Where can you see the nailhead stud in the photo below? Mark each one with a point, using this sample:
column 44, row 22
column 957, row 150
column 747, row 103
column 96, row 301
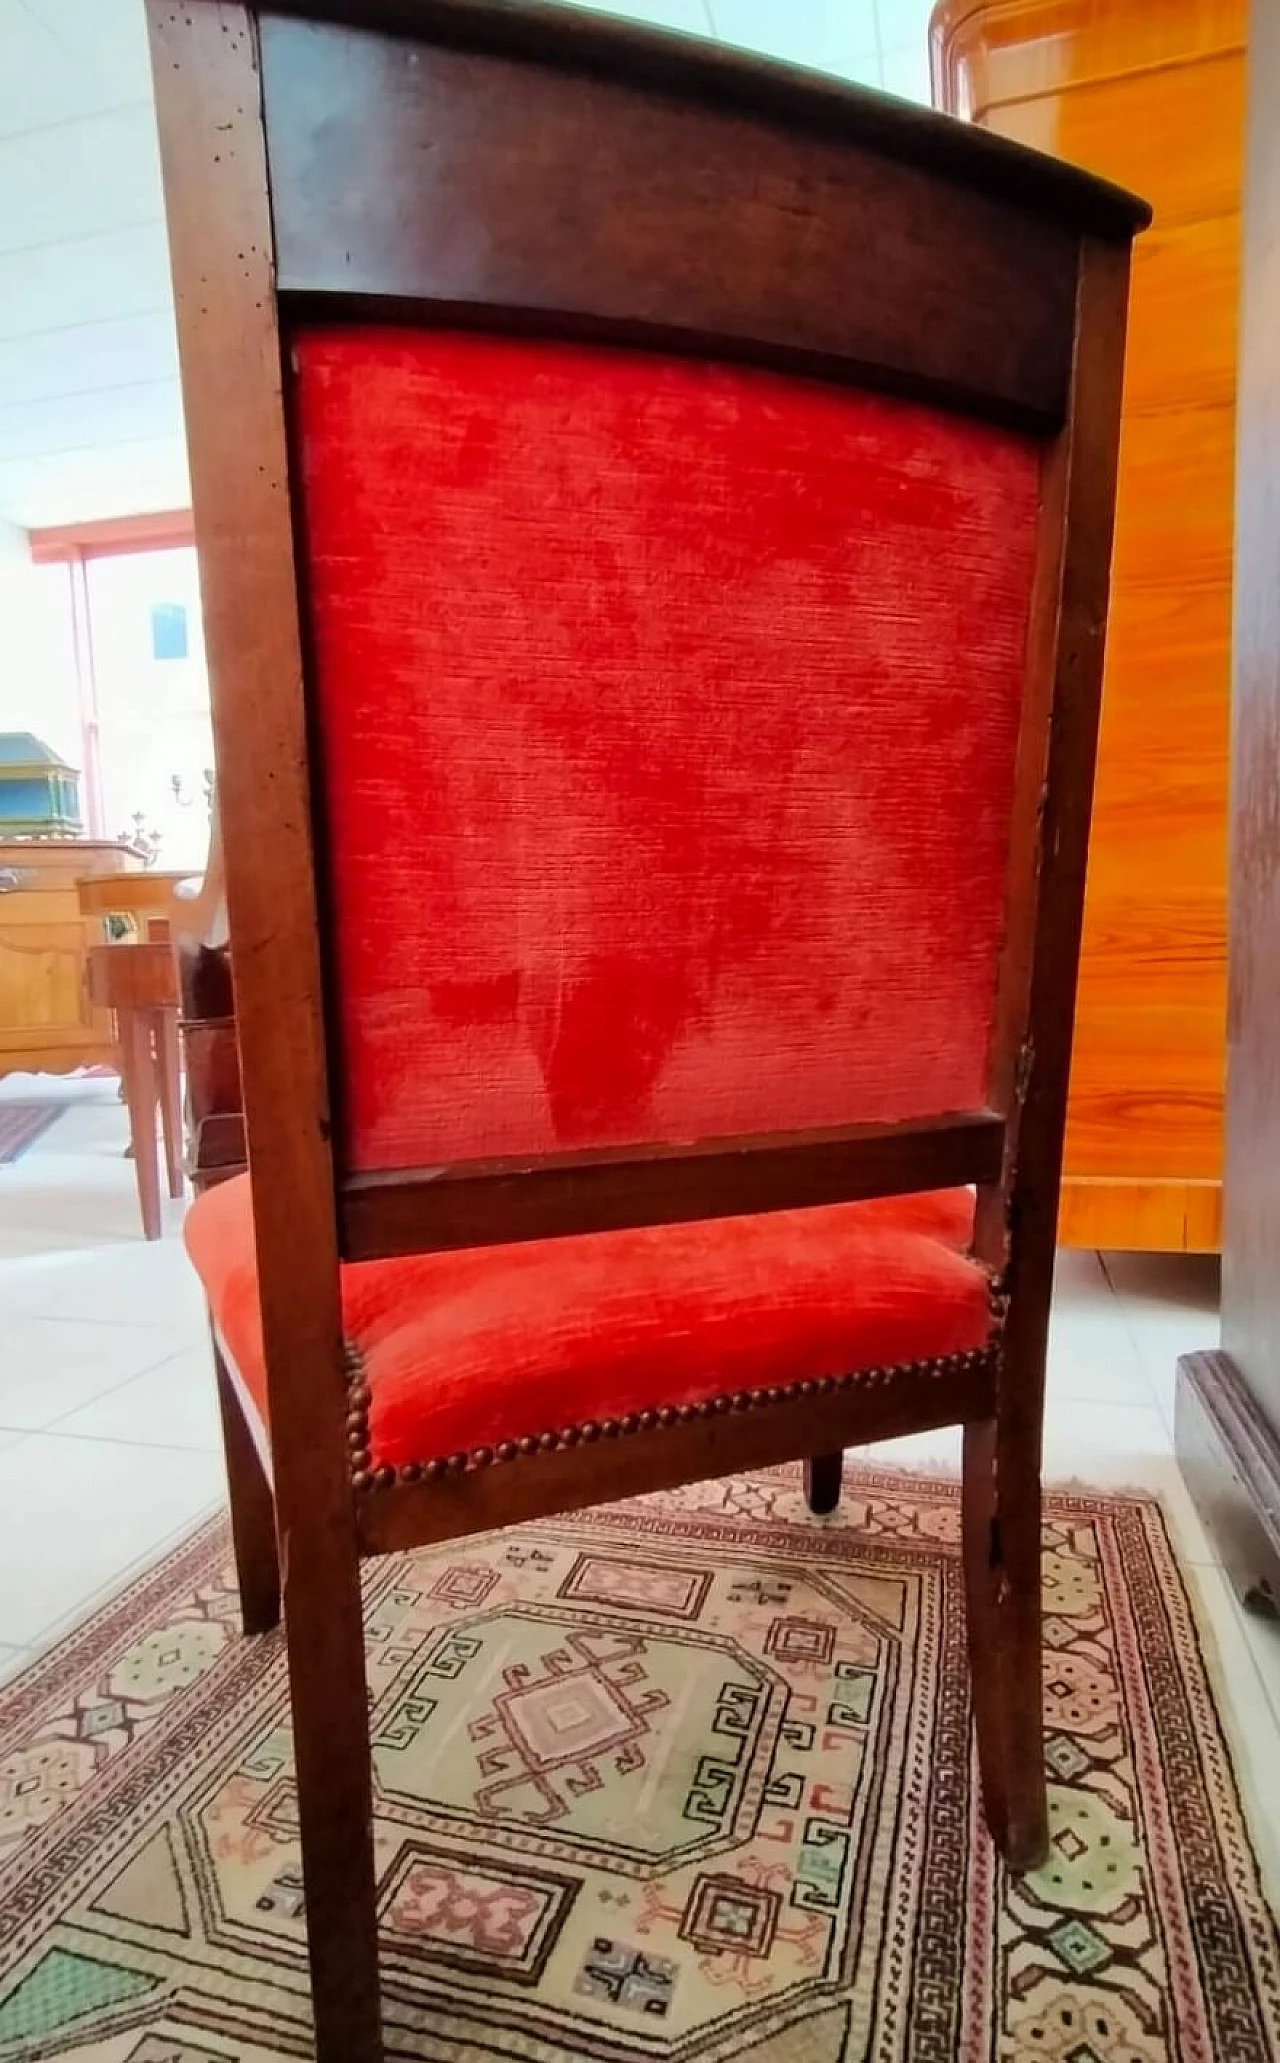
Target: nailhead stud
column 364, row 1478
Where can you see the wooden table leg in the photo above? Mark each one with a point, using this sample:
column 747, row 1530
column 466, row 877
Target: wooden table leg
column 138, row 1075
column 167, row 1077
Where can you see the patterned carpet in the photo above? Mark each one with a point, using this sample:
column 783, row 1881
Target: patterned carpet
column 684, row 1779
column 21, row 1124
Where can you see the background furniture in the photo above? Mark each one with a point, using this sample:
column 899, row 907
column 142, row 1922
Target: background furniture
column 138, row 983
column 214, row 1106
column 141, row 895
column 1150, row 92
column 39, row 793
column 48, row 1024
column 1228, row 1403
column 596, row 880
column 141, row 990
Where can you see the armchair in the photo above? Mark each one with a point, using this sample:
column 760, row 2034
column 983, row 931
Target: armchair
column 654, row 513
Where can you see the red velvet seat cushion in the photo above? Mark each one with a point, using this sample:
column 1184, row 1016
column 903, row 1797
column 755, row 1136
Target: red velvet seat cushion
column 464, row 1349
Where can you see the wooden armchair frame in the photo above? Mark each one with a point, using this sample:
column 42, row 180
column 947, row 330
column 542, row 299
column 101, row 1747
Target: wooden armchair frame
column 293, row 139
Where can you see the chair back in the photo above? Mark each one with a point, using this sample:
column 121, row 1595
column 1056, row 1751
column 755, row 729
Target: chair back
column 655, row 596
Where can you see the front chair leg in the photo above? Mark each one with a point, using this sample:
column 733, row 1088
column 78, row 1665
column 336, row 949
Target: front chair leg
column 822, row 1478
column 253, row 1513
column 1001, row 1526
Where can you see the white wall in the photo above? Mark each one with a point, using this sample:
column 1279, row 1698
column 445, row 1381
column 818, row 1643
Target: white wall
column 38, row 686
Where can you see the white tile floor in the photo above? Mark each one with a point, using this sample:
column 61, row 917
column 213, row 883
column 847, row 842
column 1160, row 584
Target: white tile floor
column 108, row 1426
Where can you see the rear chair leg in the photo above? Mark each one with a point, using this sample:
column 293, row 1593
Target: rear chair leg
column 332, row 1760
column 822, row 1477
column 1001, row 1525
column 253, row 1516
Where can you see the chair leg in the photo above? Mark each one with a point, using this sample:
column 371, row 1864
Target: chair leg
column 138, row 1079
column 324, row 1637
column 253, row 1512
column 168, row 1077
column 822, row 1477
column 1001, row 1525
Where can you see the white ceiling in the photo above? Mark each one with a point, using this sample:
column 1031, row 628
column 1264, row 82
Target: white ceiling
column 90, row 409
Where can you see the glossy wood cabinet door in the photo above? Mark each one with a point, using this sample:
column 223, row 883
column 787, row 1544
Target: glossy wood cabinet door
column 47, row 1023
column 1149, row 93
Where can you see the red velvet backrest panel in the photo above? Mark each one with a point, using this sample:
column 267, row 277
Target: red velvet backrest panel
column 667, row 716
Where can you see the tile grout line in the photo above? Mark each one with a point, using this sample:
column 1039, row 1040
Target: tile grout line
column 86, row 1403
column 50, row 1432
column 112, row 1390
column 1248, row 1625
column 64, row 1623
column 115, row 1324
column 1126, row 1319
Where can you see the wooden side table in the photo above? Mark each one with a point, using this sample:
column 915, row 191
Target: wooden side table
column 141, row 894
column 139, row 984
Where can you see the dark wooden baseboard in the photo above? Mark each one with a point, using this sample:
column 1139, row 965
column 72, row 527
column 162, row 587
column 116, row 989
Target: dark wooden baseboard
column 1230, row 1457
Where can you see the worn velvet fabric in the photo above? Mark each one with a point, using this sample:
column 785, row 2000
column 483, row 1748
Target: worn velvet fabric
column 667, row 715
column 465, row 1349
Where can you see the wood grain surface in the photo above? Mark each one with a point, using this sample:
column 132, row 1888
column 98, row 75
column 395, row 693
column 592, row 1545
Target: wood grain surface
column 456, row 199
column 1151, row 96
column 213, row 155
column 1251, row 1261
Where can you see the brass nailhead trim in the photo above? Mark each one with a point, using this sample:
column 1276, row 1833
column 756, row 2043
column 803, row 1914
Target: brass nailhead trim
column 364, row 1478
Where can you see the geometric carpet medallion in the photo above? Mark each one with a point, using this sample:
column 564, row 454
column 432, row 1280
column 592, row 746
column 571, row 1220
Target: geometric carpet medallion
column 686, row 1780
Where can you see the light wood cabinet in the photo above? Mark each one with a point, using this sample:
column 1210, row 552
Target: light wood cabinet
column 47, row 1023
column 1149, row 93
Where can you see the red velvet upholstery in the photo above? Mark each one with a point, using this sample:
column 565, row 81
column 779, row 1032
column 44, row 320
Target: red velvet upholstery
column 667, row 713
column 465, row 1349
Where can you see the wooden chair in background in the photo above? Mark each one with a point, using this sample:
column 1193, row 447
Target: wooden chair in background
column 654, row 513
column 135, row 979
